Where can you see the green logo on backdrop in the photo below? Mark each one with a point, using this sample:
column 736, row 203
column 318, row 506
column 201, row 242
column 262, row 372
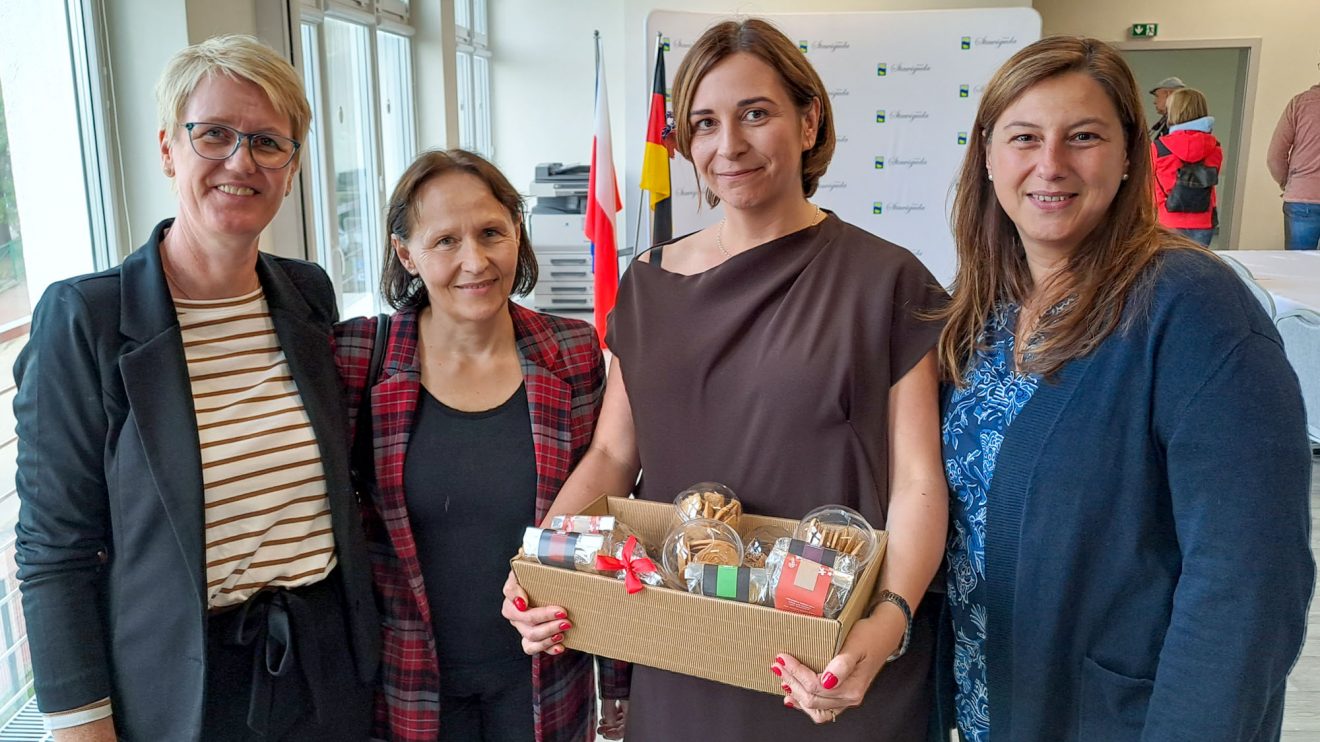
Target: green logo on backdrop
column 881, row 69
column 964, row 91
column 664, row 43
column 877, row 208
column 962, row 137
column 804, row 47
column 880, row 117
column 967, row 42
column 879, row 163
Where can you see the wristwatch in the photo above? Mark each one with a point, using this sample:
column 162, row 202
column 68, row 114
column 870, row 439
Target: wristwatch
column 887, row 596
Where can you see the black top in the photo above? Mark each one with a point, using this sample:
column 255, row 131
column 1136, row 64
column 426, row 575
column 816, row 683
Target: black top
column 469, row 479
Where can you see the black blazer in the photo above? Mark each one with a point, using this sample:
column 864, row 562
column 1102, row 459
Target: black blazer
column 110, row 544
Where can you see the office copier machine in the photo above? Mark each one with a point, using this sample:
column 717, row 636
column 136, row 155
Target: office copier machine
column 563, row 254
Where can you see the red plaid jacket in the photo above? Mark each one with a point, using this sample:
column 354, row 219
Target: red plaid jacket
column 564, row 374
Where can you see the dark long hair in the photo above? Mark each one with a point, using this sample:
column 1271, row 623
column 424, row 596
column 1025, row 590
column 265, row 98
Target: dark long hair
column 403, row 290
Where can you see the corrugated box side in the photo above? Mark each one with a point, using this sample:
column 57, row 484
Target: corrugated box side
column 720, row 640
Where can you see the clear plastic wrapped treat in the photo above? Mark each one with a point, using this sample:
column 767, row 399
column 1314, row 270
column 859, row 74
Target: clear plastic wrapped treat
column 701, row 541
column 839, row 528
column 809, row 579
column 758, row 542
column 709, row 500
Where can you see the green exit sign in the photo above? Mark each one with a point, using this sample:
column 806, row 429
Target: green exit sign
column 1145, row 30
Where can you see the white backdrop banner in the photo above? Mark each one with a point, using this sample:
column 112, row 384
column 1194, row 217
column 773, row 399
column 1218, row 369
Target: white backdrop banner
column 904, row 86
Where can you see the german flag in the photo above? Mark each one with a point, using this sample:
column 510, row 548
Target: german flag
column 655, row 162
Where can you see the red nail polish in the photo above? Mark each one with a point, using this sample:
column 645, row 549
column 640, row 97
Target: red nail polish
column 828, row 681
column 565, row 626
column 789, row 703
column 776, row 671
column 557, row 638
column 786, row 688
column 780, row 660
column 561, row 614
column 520, row 604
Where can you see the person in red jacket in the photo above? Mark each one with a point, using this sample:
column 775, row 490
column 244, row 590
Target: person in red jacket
column 1190, row 140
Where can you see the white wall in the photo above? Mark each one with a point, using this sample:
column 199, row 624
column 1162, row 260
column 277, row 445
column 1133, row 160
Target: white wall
column 1289, row 53
column 543, row 77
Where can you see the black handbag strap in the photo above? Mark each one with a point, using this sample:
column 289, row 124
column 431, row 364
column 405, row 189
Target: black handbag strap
column 362, row 454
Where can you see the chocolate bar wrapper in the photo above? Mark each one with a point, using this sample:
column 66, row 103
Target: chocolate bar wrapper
column 743, row 584
column 653, row 578
column 809, row 579
column 575, row 551
column 583, row 523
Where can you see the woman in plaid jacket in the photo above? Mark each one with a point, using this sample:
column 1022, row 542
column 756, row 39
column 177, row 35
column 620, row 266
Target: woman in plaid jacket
column 497, row 403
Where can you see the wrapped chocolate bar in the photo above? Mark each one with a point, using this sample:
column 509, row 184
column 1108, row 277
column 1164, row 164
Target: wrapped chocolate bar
column 743, row 584
column 583, row 523
column 709, row 500
column 810, row 579
column 703, row 541
column 575, row 551
column 631, row 564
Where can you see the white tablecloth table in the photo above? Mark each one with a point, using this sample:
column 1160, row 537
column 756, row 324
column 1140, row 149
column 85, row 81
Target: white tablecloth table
column 1291, row 276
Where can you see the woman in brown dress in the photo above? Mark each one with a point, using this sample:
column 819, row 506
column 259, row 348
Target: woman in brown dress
column 783, row 353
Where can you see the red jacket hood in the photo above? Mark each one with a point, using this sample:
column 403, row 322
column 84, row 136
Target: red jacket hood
column 1194, row 146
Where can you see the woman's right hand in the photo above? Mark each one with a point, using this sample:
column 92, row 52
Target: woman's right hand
column 543, row 628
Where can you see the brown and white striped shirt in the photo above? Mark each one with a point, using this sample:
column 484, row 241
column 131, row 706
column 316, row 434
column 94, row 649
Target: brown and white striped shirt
column 267, row 514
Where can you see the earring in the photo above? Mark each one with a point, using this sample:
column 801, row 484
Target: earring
column 1125, row 176
column 989, row 175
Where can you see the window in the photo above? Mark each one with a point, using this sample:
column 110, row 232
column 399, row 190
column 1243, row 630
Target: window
column 397, row 133
column 357, row 68
column 473, row 67
column 54, row 223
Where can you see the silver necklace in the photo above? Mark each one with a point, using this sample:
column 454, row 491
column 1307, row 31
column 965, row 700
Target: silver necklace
column 719, row 233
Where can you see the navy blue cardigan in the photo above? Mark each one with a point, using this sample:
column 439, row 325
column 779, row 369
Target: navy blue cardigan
column 1147, row 555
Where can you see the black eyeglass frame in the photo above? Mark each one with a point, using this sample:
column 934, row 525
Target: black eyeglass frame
column 241, row 137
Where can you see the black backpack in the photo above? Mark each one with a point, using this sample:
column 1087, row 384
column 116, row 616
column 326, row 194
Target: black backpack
column 1191, row 187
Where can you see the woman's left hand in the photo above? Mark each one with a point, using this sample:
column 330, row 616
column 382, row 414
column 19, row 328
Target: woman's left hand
column 844, row 681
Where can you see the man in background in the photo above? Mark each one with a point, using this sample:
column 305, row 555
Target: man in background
column 1294, row 162
column 1161, row 93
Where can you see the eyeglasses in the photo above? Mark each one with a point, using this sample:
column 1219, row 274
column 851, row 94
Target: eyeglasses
column 220, row 142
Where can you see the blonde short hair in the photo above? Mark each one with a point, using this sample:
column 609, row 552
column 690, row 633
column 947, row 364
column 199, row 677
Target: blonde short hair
column 240, row 57
column 1186, row 104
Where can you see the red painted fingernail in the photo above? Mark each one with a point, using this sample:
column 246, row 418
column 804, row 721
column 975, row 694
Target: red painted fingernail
column 789, row 703
column 557, row 638
column 776, row 671
column 561, row 614
column 828, row 681
column 786, row 688
column 565, row 626
column 520, row 604
column 780, row 660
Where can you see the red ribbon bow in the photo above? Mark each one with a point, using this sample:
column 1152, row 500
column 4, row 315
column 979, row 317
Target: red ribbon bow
column 630, row 566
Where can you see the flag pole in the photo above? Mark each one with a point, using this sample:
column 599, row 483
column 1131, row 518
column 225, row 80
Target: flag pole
column 641, row 202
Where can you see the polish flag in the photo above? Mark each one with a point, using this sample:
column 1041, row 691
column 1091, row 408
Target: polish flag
column 602, row 205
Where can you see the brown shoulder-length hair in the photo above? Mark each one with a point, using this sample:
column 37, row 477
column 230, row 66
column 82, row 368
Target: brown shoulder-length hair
column 405, row 291
column 767, row 43
column 1101, row 273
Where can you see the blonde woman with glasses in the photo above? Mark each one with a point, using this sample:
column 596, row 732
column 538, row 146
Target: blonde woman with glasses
column 192, row 562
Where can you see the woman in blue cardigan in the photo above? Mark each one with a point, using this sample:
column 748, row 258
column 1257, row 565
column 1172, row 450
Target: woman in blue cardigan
column 1128, row 556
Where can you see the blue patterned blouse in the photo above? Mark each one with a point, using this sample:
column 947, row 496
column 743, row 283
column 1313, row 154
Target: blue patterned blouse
column 975, row 418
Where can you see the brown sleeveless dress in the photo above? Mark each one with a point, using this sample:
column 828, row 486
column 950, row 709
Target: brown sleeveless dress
column 771, row 373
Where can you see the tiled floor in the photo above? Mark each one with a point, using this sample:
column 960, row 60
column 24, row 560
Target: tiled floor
column 1301, row 715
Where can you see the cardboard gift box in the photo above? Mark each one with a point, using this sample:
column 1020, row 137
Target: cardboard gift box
column 721, row 640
